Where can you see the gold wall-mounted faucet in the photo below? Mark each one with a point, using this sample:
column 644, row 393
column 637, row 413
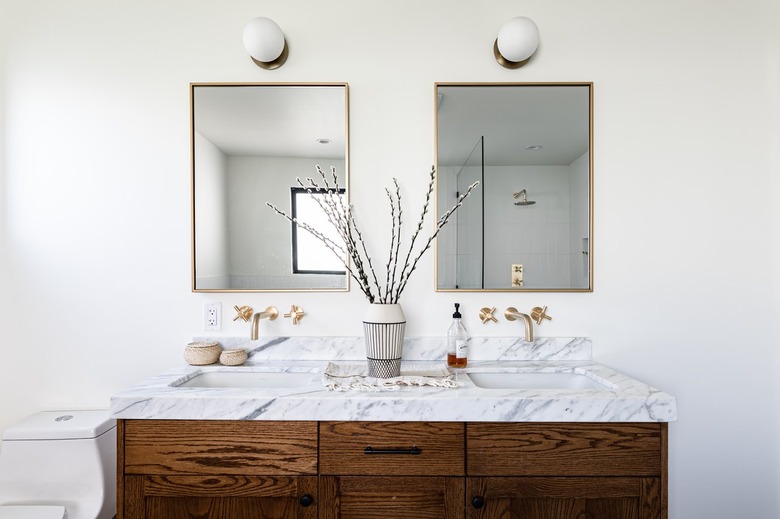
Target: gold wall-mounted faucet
column 512, row 314
column 269, row 313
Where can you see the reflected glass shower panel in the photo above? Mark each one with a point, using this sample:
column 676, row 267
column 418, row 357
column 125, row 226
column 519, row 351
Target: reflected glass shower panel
column 470, row 239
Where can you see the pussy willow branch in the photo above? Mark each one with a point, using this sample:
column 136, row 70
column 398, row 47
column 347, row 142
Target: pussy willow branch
column 416, row 233
column 345, row 224
column 341, row 217
column 396, row 239
column 334, row 247
column 338, row 222
column 350, row 225
column 439, row 224
column 392, row 242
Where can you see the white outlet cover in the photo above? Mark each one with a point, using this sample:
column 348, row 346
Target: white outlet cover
column 212, row 316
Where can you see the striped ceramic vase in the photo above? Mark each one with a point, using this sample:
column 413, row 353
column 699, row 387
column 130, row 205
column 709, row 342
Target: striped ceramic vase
column 384, row 326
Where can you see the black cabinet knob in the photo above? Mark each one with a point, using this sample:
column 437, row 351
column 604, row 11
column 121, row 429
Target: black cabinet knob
column 306, row 500
column 477, row 501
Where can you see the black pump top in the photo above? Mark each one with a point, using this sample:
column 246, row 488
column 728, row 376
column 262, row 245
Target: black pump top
column 456, row 315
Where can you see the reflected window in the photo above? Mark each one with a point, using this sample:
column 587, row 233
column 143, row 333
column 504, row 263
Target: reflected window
column 310, row 255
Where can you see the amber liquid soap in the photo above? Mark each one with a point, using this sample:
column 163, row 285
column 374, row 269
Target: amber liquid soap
column 454, row 361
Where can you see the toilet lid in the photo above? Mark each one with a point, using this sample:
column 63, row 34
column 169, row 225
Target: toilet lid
column 32, row 512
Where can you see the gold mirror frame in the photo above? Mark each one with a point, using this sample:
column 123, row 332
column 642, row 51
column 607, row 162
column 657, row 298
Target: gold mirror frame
column 272, row 218
column 438, row 100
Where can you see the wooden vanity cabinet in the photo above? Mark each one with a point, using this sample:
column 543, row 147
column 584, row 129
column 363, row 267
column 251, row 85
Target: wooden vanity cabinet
column 171, row 469
column 391, row 470
column 350, row 470
column 566, row 471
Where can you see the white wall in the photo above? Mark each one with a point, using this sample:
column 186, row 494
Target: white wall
column 96, row 292
column 211, row 223
column 536, row 236
column 260, row 240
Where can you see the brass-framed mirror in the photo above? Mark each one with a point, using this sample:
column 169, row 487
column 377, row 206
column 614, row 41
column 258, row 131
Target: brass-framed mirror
column 249, row 143
column 530, row 227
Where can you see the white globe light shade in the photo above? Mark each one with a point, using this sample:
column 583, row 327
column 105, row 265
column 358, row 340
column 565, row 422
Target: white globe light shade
column 518, row 39
column 263, row 39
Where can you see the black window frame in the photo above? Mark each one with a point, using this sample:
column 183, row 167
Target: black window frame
column 294, row 192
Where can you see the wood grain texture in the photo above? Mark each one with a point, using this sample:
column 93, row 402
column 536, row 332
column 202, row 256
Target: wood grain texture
column 238, row 469
column 650, row 499
column 132, row 506
column 161, row 447
column 361, row 497
column 562, row 498
column 555, row 449
column 557, row 487
column 342, row 446
column 220, row 508
column 664, row 454
column 120, row 468
column 213, row 497
column 218, row 486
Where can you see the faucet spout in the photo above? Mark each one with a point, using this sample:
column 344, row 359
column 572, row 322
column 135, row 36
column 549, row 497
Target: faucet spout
column 512, row 314
column 269, row 313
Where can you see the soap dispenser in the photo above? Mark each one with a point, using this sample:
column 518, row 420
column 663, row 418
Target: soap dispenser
column 457, row 342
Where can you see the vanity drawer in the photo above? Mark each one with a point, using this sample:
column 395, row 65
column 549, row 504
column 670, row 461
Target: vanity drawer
column 392, row 448
column 561, row 449
column 160, row 447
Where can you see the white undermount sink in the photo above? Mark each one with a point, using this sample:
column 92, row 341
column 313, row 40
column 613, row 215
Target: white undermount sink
column 250, row 379
column 534, row 380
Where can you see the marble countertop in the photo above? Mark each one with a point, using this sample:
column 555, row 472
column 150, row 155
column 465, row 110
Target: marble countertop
column 622, row 399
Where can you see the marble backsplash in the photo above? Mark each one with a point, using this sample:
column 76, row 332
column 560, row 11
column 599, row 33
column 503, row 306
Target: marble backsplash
column 415, row 348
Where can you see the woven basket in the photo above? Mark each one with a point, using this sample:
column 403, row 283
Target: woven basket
column 202, row 353
column 234, row 357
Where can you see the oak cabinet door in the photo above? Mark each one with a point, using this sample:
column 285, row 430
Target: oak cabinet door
column 220, row 497
column 563, row 498
column 396, row 497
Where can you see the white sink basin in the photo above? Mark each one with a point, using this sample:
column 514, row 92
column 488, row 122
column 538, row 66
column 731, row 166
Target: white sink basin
column 533, row 380
column 250, row 379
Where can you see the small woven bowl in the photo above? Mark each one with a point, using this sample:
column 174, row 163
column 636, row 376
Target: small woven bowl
column 202, row 353
column 234, row 357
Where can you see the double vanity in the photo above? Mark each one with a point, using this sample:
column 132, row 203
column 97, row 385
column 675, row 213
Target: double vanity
column 526, row 430
column 529, row 429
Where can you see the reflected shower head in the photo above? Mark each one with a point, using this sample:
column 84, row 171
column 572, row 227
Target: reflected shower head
column 524, row 201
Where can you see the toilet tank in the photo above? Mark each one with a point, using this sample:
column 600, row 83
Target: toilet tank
column 63, row 458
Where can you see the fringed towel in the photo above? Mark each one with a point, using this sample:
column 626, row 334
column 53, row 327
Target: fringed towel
column 354, row 377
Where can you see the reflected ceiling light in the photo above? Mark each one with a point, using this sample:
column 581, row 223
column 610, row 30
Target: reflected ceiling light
column 265, row 43
column 517, row 41
column 534, row 147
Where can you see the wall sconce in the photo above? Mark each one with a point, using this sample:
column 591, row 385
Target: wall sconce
column 517, row 41
column 265, row 43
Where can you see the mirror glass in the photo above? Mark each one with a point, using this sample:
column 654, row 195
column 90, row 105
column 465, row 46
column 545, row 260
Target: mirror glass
column 529, row 226
column 249, row 144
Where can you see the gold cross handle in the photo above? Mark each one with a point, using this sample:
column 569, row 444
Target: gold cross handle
column 486, row 314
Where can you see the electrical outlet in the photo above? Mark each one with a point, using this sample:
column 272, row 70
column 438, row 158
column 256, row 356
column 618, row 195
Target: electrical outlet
column 212, row 316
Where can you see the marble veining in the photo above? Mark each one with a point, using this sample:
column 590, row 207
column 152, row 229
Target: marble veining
column 622, row 399
column 415, row 348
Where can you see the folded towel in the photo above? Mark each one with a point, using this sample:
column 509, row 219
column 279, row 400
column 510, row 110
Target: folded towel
column 354, row 377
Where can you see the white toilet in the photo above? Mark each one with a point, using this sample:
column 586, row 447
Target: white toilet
column 59, row 464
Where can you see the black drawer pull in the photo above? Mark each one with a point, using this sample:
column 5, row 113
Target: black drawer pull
column 306, row 500
column 412, row 450
column 478, row 502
